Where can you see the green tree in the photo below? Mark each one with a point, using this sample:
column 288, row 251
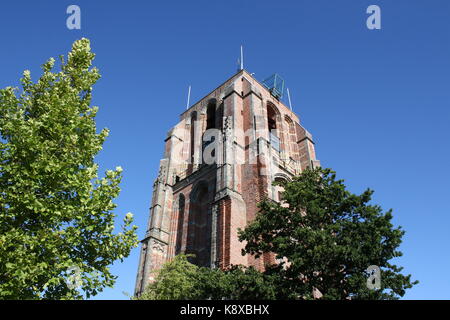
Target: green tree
column 56, row 214
column 236, row 283
column 176, row 280
column 179, row 279
column 327, row 237
column 247, row 283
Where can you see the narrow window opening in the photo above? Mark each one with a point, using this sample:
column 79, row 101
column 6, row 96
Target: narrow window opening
column 211, row 116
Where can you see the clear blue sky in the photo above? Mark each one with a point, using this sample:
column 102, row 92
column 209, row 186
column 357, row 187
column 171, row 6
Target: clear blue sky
column 376, row 101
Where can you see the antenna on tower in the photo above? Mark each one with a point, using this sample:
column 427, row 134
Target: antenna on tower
column 289, row 98
column 242, row 58
column 189, row 98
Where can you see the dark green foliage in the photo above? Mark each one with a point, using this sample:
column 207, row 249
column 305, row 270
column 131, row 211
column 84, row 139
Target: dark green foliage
column 178, row 279
column 328, row 238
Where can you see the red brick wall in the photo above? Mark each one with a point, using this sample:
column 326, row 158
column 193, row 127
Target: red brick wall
column 224, row 217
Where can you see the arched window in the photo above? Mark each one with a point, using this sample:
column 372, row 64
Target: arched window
column 199, row 227
column 211, row 115
column 272, row 123
column 278, row 190
column 180, row 222
column 271, row 118
column 210, row 123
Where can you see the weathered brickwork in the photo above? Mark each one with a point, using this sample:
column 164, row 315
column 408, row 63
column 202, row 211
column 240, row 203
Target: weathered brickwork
column 198, row 206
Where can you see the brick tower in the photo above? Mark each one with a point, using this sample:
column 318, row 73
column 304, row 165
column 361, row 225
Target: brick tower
column 220, row 160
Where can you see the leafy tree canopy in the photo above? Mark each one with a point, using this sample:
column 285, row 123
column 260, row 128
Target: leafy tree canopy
column 56, row 214
column 326, row 238
column 179, row 279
